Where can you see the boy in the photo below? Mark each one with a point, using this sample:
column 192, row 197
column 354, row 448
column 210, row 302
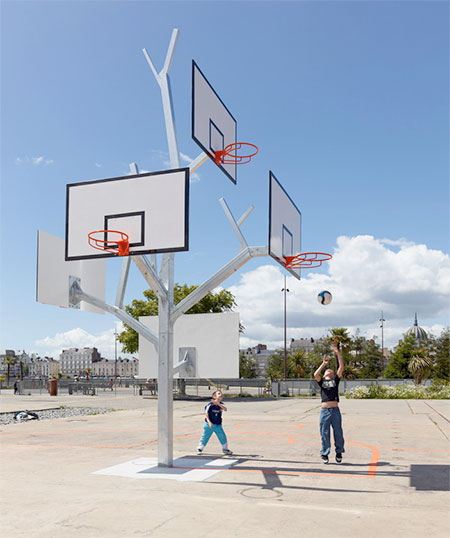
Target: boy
column 330, row 414
column 213, row 423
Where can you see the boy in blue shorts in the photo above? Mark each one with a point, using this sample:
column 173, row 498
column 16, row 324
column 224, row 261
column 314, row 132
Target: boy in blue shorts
column 213, row 423
column 330, row 414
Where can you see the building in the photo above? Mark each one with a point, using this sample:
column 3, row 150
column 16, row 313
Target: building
column 78, row 361
column 419, row 334
column 43, row 367
column 19, row 365
column 119, row 368
column 261, row 355
column 303, row 344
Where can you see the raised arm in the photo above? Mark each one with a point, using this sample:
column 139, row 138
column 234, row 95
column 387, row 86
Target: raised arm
column 321, row 367
column 340, row 370
column 220, row 404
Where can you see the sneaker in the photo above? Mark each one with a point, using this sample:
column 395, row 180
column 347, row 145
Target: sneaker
column 324, row 458
column 227, row 452
column 199, row 450
column 338, row 457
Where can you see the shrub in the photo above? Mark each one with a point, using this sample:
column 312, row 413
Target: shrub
column 406, row 391
column 358, row 392
column 440, row 390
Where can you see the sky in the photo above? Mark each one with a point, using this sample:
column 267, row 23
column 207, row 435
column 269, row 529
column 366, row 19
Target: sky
column 348, row 103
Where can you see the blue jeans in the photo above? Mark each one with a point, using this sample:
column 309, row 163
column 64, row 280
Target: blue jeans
column 331, row 417
column 208, row 431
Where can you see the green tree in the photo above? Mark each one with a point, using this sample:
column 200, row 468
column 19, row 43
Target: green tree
column 222, row 301
column 398, row 364
column 313, row 360
column 420, row 365
column 341, row 337
column 275, row 365
column 10, row 361
column 297, row 364
column 370, row 360
column 247, row 366
column 441, row 350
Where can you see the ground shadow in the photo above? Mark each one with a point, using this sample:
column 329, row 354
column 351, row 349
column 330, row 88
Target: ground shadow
column 430, row 477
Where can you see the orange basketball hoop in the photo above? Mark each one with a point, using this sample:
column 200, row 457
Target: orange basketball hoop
column 119, row 246
column 228, row 155
column 307, row 259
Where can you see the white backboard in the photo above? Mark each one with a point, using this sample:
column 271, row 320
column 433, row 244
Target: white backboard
column 54, row 274
column 213, row 126
column 285, row 221
column 215, row 338
column 152, row 208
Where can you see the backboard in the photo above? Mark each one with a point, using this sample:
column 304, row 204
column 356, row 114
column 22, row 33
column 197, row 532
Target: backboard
column 55, row 274
column 285, row 221
column 211, row 339
column 152, row 208
column 213, row 126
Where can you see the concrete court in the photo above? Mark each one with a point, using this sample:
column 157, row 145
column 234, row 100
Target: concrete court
column 394, row 480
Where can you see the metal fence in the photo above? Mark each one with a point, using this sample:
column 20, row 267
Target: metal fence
column 199, row 387
column 309, row 387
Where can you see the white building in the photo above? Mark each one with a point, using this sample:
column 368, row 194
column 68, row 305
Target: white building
column 43, row 367
column 261, row 355
column 303, row 344
column 119, row 368
column 78, row 361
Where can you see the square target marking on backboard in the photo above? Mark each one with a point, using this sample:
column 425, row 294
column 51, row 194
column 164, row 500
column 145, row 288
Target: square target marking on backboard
column 151, row 208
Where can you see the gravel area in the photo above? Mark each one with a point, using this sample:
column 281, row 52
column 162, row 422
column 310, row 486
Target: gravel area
column 59, row 412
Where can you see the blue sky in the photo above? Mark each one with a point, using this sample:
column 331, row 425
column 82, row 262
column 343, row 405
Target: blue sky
column 347, row 101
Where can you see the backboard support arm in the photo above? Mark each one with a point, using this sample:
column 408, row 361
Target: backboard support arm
column 76, row 294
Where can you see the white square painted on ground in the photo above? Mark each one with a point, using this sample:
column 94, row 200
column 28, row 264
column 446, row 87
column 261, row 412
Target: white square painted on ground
column 215, row 338
column 183, row 470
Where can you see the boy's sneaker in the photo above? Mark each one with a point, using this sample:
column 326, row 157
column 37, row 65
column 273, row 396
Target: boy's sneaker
column 227, row 452
column 338, row 457
column 324, row 458
column 199, row 450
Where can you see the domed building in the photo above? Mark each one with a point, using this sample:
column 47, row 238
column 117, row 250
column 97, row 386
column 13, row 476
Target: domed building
column 419, row 333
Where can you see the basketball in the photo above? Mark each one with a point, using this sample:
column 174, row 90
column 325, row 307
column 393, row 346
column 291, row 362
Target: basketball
column 324, row 297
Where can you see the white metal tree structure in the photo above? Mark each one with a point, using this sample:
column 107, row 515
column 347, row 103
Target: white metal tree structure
column 162, row 282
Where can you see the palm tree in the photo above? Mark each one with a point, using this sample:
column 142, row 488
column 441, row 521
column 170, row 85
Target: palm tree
column 10, row 361
column 297, row 363
column 340, row 337
column 420, row 365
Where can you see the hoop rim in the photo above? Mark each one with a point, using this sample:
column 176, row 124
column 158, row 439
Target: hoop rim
column 307, row 259
column 220, row 156
column 123, row 244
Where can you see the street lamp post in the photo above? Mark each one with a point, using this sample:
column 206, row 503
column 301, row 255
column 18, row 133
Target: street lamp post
column 115, row 352
column 285, row 290
column 382, row 335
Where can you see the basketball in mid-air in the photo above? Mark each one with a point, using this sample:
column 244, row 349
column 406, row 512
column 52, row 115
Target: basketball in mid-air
column 324, row 297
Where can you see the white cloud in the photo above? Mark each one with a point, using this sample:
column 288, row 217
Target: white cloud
column 52, row 346
column 98, row 165
column 365, row 278
column 41, row 160
column 35, row 160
